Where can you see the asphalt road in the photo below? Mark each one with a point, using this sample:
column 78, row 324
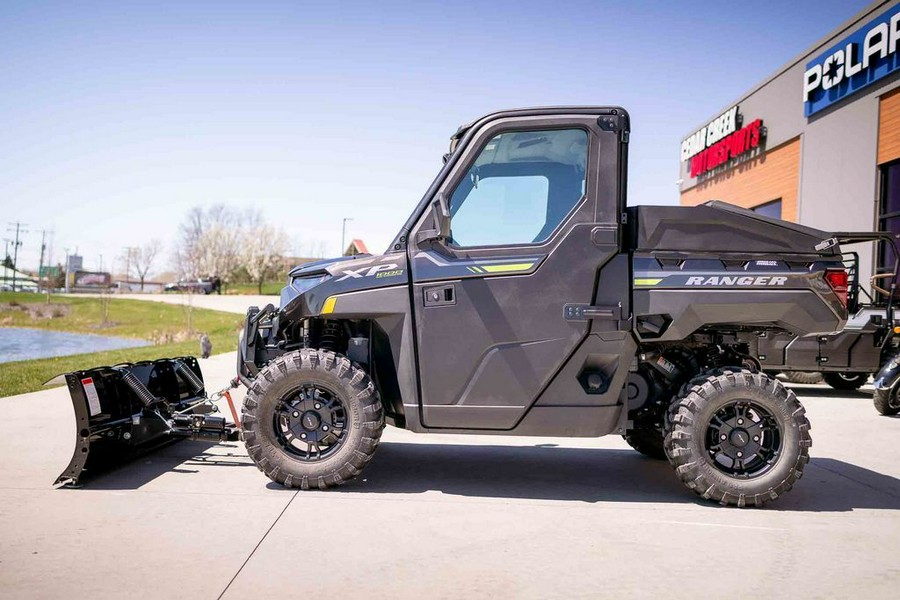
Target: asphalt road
column 444, row 516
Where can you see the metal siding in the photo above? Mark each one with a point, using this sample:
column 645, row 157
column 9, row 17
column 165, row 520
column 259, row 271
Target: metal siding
column 889, row 127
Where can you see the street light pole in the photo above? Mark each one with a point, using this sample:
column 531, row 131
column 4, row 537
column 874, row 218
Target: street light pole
column 344, row 234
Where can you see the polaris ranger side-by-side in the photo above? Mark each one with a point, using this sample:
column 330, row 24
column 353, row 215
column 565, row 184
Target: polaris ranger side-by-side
column 522, row 297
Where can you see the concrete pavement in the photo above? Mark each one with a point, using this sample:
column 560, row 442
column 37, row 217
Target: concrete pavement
column 439, row 516
column 235, row 304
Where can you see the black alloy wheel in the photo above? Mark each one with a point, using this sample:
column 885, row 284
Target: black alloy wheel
column 743, row 439
column 311, row 423
column 737, row 437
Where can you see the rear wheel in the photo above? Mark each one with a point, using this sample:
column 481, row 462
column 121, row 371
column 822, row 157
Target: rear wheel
column 886, row 402
column 846, row 381
column 808, row 377
column 312, row 419
column 737, row 437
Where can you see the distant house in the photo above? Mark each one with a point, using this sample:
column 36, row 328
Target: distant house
column 23, row 281
column 356, row 247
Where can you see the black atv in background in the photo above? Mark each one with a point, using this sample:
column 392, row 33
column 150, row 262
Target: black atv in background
column 845, row 360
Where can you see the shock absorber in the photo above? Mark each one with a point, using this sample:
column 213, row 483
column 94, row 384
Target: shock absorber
column 332, row 336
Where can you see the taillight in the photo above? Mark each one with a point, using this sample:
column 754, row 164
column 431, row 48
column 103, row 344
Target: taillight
column 839, row 281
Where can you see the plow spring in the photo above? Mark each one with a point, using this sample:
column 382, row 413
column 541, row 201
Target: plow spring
column 126, row 410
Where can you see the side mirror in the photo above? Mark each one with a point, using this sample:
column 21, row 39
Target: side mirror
column 440, row 213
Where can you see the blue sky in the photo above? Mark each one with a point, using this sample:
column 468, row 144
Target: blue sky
column 118, row 117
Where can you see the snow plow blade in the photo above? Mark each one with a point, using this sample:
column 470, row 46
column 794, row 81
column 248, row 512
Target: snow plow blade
column 126, row 410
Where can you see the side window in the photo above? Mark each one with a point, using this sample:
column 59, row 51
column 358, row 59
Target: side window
column 520, row 188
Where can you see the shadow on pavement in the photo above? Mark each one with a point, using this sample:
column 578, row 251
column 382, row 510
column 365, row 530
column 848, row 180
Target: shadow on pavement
column 182, row 457
column 596, row 475
column 821, row 391
column 541, row 472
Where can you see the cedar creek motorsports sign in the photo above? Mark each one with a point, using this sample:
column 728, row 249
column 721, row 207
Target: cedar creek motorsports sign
column 862, row 58
column 722, row 140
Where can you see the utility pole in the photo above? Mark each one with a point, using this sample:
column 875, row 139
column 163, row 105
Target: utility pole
column 66, row 269
column 130, row 253
column 344, row 234
column 19, row 228
column 41, row 262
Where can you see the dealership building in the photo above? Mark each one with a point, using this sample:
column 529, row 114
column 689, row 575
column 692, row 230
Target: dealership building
column 817, row 142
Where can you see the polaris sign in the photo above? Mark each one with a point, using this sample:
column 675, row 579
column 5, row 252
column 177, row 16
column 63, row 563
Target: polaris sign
column 862, row 58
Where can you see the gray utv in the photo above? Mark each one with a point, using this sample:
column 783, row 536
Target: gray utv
column 522, row 297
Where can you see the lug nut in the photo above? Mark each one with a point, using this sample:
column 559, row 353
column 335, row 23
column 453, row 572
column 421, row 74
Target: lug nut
column 740, row 421
column 302, row 436
column 724, row 436
column 295, row 414
column 755, row 438
column 318, row 406
column 740, row 454
column 324, row 427
column 126, row 435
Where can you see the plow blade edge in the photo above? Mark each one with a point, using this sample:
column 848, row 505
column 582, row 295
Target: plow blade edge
column 125, row 410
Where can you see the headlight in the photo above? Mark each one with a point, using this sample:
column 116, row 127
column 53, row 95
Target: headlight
column 300, row 285
column 304, row 284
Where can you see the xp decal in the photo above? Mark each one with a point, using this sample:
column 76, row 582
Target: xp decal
column 385, row 270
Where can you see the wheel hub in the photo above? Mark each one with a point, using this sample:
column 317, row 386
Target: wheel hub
column 310, row 420
column 743, row 439
column 739, row 437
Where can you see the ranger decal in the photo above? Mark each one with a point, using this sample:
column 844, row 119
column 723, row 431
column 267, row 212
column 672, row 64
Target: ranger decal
column 747, row 281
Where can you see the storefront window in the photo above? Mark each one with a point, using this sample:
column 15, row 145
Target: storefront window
column 769, row 209
column 889, row 214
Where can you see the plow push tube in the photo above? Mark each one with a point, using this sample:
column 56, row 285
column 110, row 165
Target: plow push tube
column 128, row 409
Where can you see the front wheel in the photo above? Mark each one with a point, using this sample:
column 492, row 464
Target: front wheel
column 846, row 381
column 737, row 437
column 886, row 402
column 312, row 419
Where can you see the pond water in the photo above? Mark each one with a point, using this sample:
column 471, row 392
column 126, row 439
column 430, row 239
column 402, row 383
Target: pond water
column 19, row 343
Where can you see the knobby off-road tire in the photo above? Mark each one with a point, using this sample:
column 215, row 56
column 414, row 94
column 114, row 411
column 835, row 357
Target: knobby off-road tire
column 770, row 411
column 846, row 381
column 808, row 377
column 647, row 441
column 886, row 403
column 304, row 384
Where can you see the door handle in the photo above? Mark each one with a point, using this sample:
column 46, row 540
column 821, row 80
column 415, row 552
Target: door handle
column 440, row 295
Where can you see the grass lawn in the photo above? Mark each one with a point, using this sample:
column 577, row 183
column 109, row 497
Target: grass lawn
column 270, row 288
column 165, row 325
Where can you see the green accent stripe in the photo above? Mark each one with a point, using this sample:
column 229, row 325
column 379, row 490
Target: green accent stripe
column 647, row 282
column 508, row 268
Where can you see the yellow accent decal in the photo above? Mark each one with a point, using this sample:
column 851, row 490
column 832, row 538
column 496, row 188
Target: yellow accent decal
column 328, row 307
column 508, row 268
column 647, row 281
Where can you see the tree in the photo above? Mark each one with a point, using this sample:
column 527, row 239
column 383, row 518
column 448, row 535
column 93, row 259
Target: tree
column 143, row 259
column 8, row 262
column 210, row 241
column 264, row 247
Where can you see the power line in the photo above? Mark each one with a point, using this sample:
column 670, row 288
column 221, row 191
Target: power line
column 19, row 228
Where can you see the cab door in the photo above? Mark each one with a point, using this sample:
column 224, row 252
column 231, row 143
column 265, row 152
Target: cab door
column 534, row 208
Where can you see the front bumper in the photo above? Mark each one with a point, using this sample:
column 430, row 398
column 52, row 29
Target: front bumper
column 251, row 344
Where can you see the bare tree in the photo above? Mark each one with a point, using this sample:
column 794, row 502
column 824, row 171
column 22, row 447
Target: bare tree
column 264, row 247
column 210, row 241
column 143, row 259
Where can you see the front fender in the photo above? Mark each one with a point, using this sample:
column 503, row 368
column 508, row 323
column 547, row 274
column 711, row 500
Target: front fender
column 889, row 374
